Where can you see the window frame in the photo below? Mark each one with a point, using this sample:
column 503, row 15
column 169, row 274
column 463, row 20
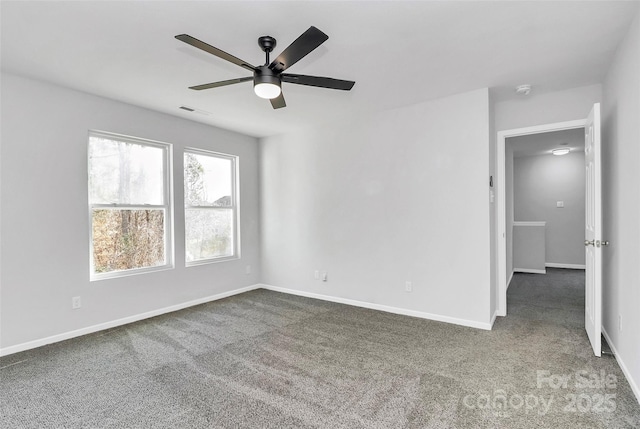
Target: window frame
column 167, row 206
column 234, row 207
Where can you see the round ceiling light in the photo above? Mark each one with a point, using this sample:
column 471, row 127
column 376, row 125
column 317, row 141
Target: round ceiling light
column 561, row 151
column 523, row 89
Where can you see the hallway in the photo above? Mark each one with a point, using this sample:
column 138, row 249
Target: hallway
column 546, row 312
column 556, row 297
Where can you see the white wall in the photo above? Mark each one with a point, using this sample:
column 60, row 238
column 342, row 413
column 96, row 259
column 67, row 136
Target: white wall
column 621, row 202
column 45, row 230
column 529, row 247
column 539, row 183
column 546, row 108
column 377, row 201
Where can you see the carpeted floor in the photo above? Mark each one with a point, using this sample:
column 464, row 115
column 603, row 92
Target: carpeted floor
column 269, row 360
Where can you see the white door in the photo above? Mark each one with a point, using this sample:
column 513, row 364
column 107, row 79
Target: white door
column 593, row 230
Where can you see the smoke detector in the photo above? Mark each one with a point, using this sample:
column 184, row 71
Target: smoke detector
column 523, row 89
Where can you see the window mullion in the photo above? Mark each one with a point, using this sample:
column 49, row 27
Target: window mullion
column 129, row 206
column 211, row 207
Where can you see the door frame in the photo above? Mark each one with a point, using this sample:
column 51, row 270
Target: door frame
column 501, row 218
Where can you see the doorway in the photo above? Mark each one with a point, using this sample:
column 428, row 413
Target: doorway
column 501, row 197
column 545, row 201
column 593, row 240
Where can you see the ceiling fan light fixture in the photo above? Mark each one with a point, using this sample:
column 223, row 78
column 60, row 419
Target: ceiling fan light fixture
column 266, row 84
column 267, row 90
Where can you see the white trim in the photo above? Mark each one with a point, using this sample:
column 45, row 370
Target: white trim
column 493, row 318
column 119, row 322
column 380, row 307
column 530, row 223
column 568, row 266
column 623, row 367
column 529, row 270
column 510, row 278
column 234, row 207
column 501, row 226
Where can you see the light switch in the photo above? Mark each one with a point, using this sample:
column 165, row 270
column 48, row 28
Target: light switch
column 560, row 204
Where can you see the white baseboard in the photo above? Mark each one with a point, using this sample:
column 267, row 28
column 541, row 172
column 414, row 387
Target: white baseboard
column 623, row 367
column 119, row 322
column 530, row 223
column 509, row 281
column 530, row 271
column 493, row 318
column 568, row 266
column 380, row 307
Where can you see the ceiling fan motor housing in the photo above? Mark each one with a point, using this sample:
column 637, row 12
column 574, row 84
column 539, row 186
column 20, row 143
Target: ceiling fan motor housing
column 263, row 74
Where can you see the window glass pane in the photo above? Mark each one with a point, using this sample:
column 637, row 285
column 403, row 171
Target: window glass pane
column 125, row 173
column 127, row 239
column 209, row 233
column 207, row 181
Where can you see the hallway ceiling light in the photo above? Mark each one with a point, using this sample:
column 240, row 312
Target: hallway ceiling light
column 561, row 151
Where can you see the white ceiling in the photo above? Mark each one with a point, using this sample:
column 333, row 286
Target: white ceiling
column 399, row 53
column 544, row 143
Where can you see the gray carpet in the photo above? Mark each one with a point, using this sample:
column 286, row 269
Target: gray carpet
column 269, row 360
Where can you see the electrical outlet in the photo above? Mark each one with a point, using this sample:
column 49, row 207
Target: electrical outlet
column 408, row 287
column 324, row 276
column 247, row 269
column 316, row 274
column 76, row 303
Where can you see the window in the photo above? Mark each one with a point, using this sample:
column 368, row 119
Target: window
column 210, row 203
column 129, row 205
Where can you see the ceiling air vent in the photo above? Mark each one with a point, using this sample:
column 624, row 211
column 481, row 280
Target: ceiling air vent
column 194, row 110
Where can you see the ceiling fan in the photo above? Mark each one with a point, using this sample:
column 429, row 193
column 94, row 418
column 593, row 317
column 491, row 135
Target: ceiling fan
column 267, row 79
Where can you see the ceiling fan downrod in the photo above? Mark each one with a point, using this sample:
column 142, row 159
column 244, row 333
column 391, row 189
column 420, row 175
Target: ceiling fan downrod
column 267, row 44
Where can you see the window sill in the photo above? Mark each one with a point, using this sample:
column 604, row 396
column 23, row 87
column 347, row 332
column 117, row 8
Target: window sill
column 211, row 261
column 127, row 273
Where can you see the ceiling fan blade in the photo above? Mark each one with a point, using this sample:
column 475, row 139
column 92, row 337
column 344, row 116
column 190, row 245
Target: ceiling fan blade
column 322, row 82
column 213, row 50
column 221, row 83
column 307, row 42
column 278, row 102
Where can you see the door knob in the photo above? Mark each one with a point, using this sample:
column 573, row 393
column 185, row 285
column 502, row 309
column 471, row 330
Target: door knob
column 589, row 243
column 605, row 243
